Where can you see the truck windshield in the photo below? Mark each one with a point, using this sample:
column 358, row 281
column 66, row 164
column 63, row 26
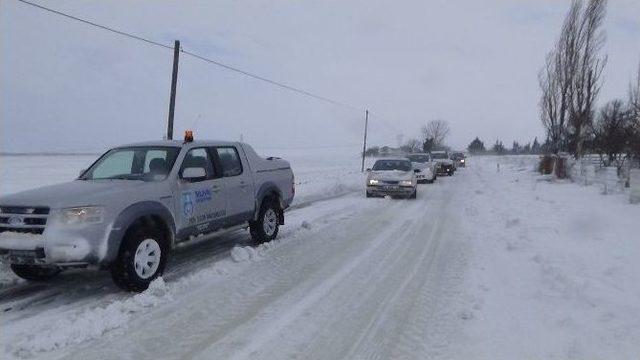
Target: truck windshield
column 419, row 158
column 382, row 165
column 439, row 155
column 134, row 163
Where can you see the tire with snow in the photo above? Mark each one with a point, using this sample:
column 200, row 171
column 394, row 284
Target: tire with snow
column 35, row 272
column 142, row 258
column 265, row 228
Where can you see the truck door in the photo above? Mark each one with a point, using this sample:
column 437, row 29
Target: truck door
column 238, row 182
column 201, row 201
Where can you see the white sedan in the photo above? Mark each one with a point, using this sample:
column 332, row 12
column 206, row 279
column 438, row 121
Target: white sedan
column 426, row 166
column 393, row 177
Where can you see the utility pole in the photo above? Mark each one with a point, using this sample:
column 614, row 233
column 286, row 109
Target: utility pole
column 174, row 81
column 364, row 144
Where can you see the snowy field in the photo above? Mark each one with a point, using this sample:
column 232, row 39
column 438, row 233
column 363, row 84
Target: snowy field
column 488, row 264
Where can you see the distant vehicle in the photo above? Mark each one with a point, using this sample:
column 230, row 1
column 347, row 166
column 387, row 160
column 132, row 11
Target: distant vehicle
column 425, row 165
column 394, row 177
column 445, row 164
column 136, row 202
column 459, row 159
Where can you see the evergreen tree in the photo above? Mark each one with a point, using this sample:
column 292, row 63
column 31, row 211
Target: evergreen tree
column 476, row 146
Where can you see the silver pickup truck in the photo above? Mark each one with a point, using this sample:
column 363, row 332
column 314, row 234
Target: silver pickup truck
column 128, row 210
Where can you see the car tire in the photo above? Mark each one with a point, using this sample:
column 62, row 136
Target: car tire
column 142, row 258
column 368, row 194
column 35, row 272
column 266, row 227
column 414, row 195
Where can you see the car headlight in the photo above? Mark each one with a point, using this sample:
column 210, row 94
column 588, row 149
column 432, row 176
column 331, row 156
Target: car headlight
column 82, row 215
column 373, row 182
column 406, row 183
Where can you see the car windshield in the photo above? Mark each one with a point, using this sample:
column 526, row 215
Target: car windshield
column 133, row 163
column 401, row 165
column 439, row 155
column 419, row 158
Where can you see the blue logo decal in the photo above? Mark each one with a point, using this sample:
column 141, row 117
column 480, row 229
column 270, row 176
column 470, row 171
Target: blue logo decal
column 187, row 203
column 203, row 195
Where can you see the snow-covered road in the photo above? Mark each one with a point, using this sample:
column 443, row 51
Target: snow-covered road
column 487, row 264
column 349, row 277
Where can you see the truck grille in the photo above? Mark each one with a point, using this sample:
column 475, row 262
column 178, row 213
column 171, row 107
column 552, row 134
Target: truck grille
column 23, row 219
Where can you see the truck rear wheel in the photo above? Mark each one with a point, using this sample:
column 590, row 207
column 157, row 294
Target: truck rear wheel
column 142, row 258
column 266, row 227
column 35, row 272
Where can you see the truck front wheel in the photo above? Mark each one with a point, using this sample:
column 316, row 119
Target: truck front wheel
column 142, row 258
column 35, row 272
column 265, row 228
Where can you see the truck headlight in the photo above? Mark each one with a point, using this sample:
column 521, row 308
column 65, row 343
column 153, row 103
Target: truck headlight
column 373, row 182
column 406, row 183
column 82, row 215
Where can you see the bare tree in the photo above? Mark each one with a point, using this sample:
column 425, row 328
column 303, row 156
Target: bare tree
column 437, row 131
column 634, row 117
column 588, row 67
column 570, row 80
column 412, row 146
column 610, row 130
column 550, row 102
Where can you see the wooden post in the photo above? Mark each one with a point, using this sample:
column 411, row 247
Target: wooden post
column 364, row 144
column 174, row 81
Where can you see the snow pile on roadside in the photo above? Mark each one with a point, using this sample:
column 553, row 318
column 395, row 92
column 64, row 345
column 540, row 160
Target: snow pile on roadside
column 555, row 271
column 76, row 327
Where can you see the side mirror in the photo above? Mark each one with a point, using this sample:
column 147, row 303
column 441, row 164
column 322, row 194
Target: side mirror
column 417, row 170
column 368, row 170
column 81, row 172
column 194, row 173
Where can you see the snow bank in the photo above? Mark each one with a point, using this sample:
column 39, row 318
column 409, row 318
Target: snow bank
column 54, row 332
column 554, row 272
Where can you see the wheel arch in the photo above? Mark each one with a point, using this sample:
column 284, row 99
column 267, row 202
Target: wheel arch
column 268, row 191
column 146, row 212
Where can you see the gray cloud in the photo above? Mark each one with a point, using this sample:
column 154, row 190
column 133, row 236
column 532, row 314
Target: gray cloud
column 68, row 87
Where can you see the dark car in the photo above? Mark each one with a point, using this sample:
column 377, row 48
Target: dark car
column 459, row 159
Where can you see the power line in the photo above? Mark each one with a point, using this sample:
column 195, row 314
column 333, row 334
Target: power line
column 203, row 58
column 132, row 36
column 272, row 82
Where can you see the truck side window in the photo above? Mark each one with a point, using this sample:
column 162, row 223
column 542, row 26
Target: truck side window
column 198, row 157
column 230, row 161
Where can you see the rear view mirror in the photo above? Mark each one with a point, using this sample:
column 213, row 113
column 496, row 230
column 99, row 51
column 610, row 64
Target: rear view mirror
column 194, row 173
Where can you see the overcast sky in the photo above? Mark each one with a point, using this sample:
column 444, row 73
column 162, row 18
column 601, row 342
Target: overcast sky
column 65, row 86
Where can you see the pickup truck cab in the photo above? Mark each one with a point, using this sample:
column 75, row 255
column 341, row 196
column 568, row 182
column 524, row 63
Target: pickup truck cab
column 130, row 208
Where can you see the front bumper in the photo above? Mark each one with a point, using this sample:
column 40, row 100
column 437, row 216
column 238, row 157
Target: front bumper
column 55, row 246
column 391, row 190
column 445, row 169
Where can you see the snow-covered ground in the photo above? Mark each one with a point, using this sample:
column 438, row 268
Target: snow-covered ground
column 487, row 264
